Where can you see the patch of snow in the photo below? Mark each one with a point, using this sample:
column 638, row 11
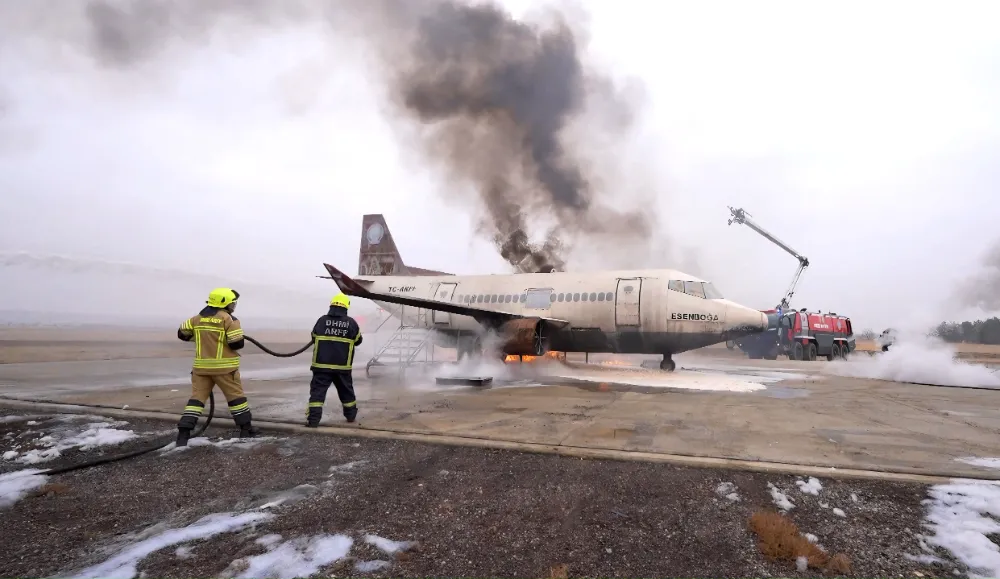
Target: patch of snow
column 183, row 552
column 811, row 538
column 123, row 565
column 812, row 487
column 291, row 496
column 268, row 540
column 839, row 512
column 347, row 466
column 823, row 505
column 301, row 557
column 779, row 498
column 10, row 455
column 96, row 434
column 854, row 497
column 962, row 514
column 32, row 422
column 801, row 563
column 985, row 462
column 924, row 558
column 727, row 490
column 388, row 546
column 371, row 566
column 14, row 486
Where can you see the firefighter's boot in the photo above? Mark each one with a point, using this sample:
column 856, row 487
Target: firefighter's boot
column 351, row 413
column 249, row 431
column 183, row 434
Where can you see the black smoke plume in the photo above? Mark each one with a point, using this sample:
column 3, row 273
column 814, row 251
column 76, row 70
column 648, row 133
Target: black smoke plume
column 495, row 100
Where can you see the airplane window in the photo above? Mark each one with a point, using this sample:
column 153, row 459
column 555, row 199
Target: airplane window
column 711, row 293
column 576, row 297
column 593, row 296
column 560, row 297
column 552, row 298
column 609, row 296
column 524, row 298
column 507, row 298
column 676, row 285
column 694, row 288
column 600, row 297
column 493, row 298
column 583, row 296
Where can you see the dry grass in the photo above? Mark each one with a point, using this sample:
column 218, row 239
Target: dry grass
column 560, row 571
column 779, row 539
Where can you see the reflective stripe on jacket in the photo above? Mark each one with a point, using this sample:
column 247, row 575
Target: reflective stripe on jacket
column 335, row 337
column 217, row 335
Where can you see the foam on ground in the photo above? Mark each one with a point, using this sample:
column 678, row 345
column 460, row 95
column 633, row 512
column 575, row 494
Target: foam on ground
column 984, row 462
column 218, row 443
column 680, row 379
column 915, row 358
column 124, row 564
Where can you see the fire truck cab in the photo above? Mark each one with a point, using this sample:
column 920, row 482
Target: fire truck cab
column 802, row 335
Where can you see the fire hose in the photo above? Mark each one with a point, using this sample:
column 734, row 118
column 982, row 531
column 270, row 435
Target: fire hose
column 157, row 446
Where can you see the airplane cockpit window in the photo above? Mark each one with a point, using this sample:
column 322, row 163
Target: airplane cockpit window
column 694, row 288
column 711, row 293
column 539, row 299
column 676, row 285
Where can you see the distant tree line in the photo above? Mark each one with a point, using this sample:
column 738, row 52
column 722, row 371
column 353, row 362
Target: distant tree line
column 977, row 332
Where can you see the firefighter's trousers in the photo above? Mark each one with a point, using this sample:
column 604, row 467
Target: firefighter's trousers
column 321, row 381
column 201, row 387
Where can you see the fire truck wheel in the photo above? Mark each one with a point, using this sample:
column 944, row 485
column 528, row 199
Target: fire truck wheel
column 797, row 351
column 834, row 352
column 811, row 352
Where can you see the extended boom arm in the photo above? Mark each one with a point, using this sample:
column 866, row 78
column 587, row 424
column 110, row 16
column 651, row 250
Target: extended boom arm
column 741, row 216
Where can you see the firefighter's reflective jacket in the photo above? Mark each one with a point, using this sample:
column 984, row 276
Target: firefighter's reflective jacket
column 217, row 335
column 335, row 336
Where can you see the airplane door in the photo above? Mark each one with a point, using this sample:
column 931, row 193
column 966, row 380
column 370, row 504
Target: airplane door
column 627, row 302
column 443, row 293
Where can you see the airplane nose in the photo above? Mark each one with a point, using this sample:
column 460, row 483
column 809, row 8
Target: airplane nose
column 744, row 321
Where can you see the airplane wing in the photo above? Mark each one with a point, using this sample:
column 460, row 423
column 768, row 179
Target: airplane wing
column 355, row 288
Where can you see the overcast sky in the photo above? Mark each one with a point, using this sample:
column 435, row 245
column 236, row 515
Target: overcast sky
column 866, row 135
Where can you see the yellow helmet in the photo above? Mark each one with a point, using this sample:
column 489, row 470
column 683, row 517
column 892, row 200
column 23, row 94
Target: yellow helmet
column 341, row 301
column 221, row 297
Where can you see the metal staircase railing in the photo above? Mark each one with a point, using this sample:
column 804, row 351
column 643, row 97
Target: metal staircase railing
column 404, row 346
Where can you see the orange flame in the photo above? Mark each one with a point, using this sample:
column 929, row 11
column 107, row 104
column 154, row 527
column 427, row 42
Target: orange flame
column 552, row 354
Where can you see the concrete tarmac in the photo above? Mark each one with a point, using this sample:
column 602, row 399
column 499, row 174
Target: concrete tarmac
column 716, row 405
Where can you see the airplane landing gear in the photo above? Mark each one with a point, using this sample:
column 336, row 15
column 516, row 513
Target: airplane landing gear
column 667, row 363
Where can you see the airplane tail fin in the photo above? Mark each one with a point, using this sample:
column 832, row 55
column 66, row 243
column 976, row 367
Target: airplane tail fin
column 379, row 255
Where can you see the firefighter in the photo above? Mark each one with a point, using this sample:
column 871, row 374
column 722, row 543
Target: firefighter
column 217, row 336
column 335, row 336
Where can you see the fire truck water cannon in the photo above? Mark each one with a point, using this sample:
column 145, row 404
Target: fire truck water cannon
column 742, row 217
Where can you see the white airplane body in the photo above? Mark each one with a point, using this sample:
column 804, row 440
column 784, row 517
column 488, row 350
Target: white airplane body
column 649, row 311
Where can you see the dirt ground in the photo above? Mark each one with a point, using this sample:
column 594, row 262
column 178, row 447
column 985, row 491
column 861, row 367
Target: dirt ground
column 469, row 512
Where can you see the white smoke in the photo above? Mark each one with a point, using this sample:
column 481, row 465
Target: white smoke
column 916, row 357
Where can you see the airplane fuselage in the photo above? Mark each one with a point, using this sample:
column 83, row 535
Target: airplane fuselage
column 660, row 311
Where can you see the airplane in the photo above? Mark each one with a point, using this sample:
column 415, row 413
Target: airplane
column 650, row 311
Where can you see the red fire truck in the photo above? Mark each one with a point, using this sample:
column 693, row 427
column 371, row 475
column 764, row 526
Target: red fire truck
column 801, row 335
